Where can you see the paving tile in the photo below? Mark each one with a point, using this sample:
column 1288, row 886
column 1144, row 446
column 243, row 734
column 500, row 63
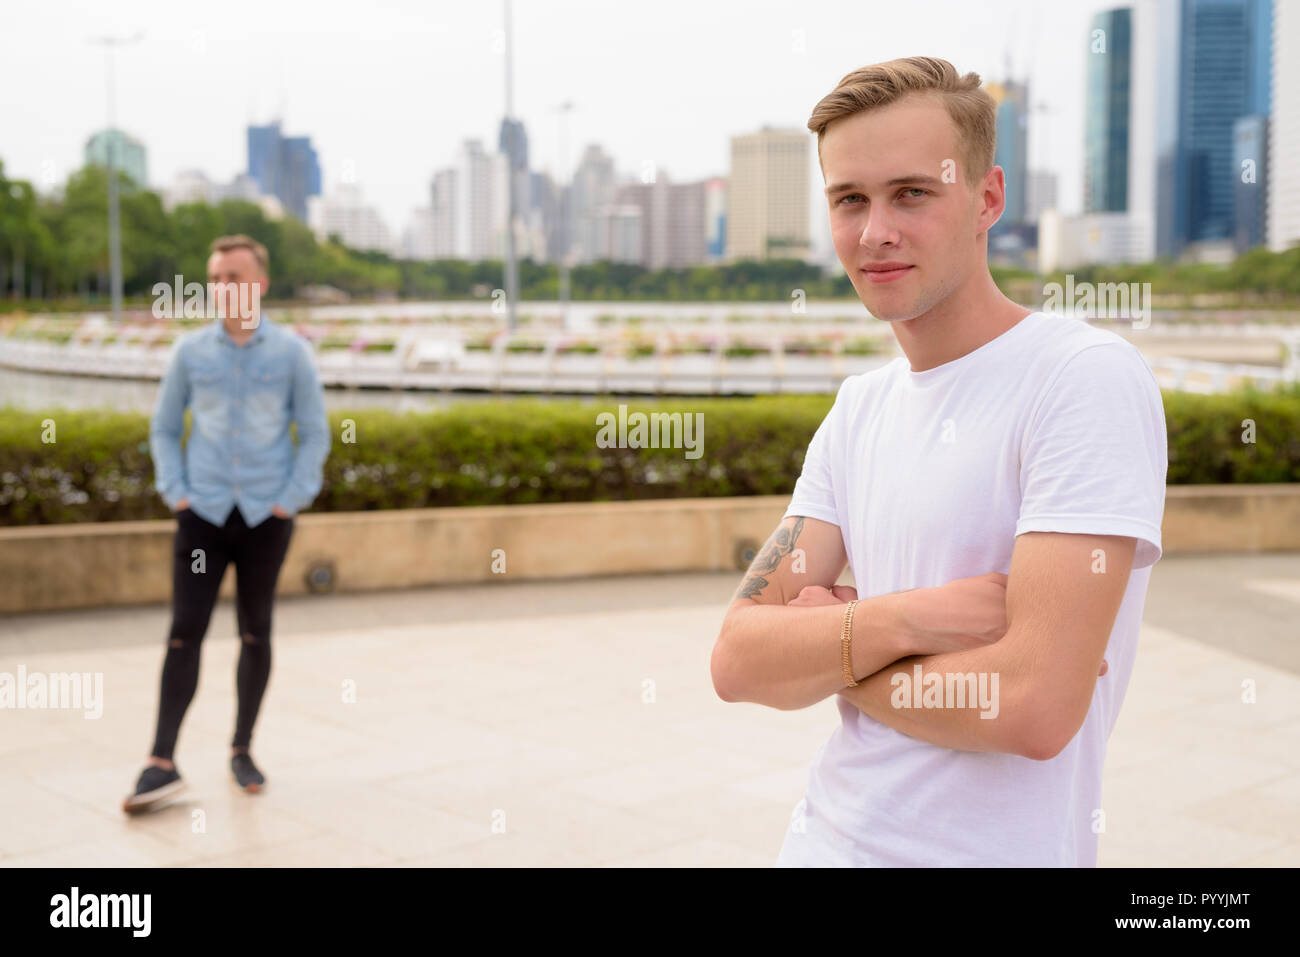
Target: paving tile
column 568, row 738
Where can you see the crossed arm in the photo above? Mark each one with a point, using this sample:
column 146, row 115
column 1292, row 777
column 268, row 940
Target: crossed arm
column 1061, row 598
column 788, row 656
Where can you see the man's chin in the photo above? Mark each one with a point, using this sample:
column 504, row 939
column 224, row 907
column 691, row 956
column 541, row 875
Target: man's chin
column 891, row 311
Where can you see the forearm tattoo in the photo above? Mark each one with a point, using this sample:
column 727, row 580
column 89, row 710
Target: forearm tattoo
column 778, row 546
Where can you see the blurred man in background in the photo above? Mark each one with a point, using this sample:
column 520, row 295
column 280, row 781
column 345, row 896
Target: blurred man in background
column 235, row 488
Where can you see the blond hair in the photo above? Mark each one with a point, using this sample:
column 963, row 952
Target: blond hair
column 972, row 109
column 224, row 244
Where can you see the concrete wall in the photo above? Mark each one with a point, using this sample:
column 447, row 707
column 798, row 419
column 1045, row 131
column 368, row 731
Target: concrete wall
column 116, row 563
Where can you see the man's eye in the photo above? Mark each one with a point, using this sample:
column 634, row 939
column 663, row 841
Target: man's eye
column 915, row 189
column 844, row 199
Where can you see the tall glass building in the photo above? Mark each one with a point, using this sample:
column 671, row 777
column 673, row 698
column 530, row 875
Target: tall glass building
column 1106, row 143
column 285, row 167
column 1224, row 67
column 1250, row 190
column 1012, row 151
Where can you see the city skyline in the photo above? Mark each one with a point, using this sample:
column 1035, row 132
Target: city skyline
column 354, row 88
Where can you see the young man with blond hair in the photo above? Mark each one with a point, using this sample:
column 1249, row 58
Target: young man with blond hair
column 997, row 493
column 235, row 488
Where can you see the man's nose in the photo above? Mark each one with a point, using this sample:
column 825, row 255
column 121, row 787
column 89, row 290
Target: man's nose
column 879, row 230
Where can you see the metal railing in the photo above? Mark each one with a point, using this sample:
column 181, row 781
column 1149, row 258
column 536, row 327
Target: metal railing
column 610, row 369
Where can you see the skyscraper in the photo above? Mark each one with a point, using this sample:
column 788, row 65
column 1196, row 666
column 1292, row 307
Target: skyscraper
column 1012, row 152
column 1106, row 147
column 1153, row 123
column 470, row 205
column 343, row 213
column 1127, row 129
column 1224, row 66
column 443, row 214
column 1284, row 130
column 284, row 167
column 481, row 202
column 1250, row 191
column 513, row 143
column 591, row 193
column 674, row 231
column 768, row 211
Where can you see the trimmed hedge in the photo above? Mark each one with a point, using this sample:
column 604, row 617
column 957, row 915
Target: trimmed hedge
column 1206, row 437
column 528, row 450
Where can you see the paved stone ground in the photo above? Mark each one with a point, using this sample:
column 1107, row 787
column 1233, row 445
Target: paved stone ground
column 574, row 723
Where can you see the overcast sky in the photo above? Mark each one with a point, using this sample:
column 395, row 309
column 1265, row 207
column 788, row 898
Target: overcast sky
column 391, row 87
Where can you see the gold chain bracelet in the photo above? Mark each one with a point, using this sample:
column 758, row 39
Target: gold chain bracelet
column 846, row 642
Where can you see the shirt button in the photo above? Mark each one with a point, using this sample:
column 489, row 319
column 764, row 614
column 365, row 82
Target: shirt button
column 236, row 489
column 236, row 402
column 234, row 461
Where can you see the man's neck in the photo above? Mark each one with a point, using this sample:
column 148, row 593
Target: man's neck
column 957, row 326
column 239, row 335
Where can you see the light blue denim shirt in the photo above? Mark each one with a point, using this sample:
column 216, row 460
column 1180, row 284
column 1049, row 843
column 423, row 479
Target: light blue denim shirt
column 242, row 399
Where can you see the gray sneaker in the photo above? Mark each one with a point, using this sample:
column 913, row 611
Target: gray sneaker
column 156, row 787
column 246, row 774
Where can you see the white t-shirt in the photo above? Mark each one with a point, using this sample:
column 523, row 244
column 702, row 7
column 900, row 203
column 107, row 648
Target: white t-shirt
column 1054, row 426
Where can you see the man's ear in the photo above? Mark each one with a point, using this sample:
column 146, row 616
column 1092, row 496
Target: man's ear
column 992, row 199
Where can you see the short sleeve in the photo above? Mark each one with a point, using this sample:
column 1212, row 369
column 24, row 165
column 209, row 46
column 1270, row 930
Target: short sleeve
column 814, row 492
column 1095, row 453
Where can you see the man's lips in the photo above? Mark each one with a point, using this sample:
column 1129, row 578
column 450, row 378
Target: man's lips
column 885, row 272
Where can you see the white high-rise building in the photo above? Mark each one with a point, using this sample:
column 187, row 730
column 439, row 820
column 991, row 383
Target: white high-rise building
column 480, row 202
column 419, row 239
column 344, row 214
column 470, row 206
column 189, row 186
column 768, row 209
column 193, row 186
column 1153, row 117
column 1092, row 239
column 592, row 194
column 1284, row 129
column 443, row 211
column 244, row 188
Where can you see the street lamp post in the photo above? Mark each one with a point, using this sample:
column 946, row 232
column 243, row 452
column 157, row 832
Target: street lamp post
column 114, row 218
column 512, row 263
column 566, row 188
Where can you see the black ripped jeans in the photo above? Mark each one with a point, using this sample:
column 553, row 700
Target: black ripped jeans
column 200, row 553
